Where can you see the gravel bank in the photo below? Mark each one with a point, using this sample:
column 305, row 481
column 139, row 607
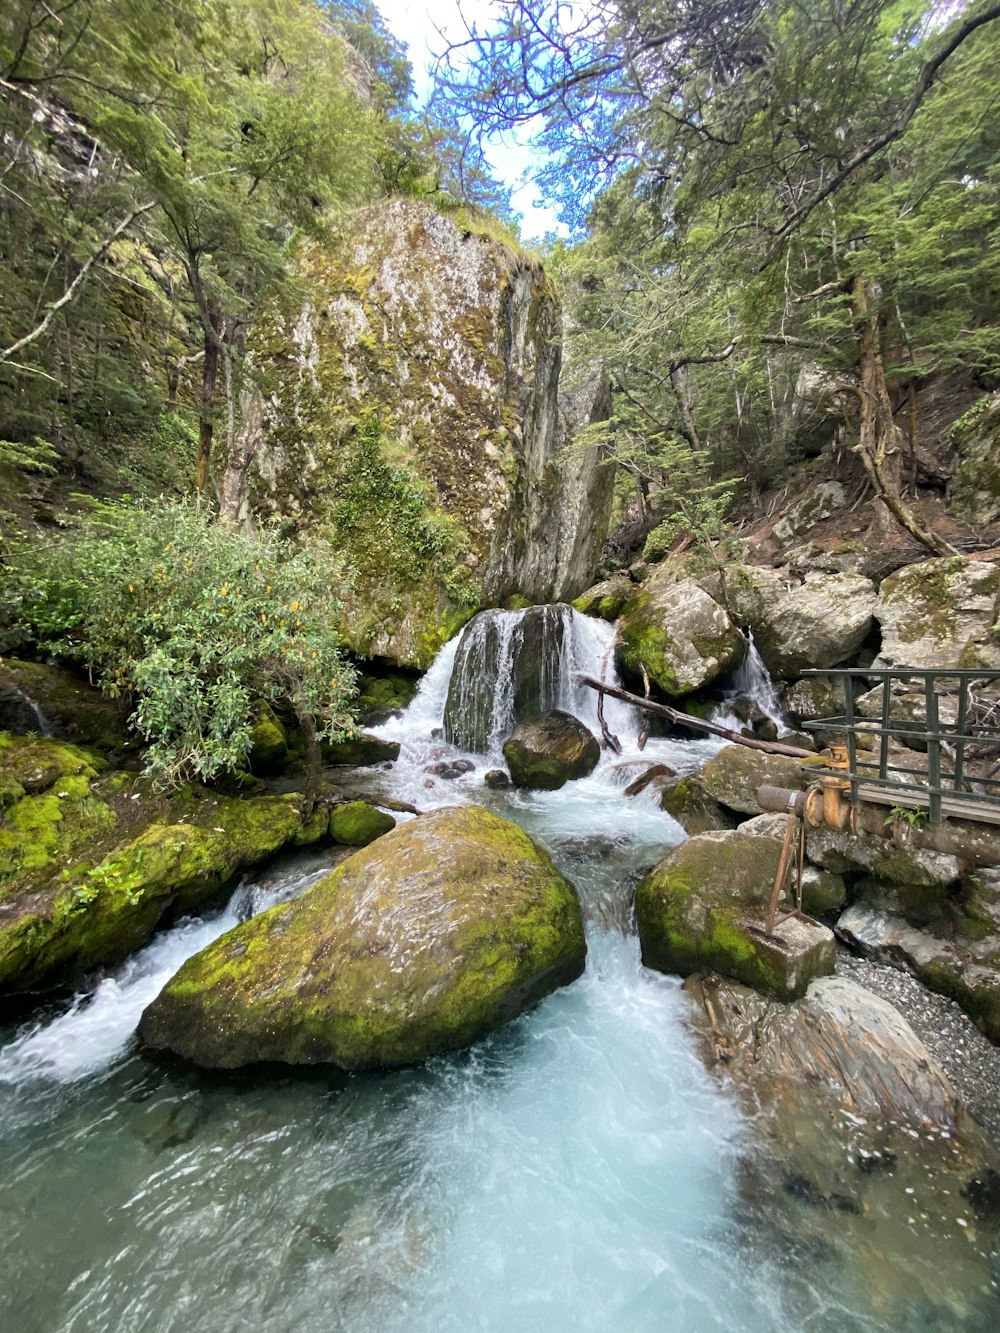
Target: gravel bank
column 970, row 1060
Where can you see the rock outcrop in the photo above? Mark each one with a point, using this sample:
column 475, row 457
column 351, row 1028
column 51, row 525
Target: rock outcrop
column 90, row 862
column 438, row 933
column 734, row 774
column 940, row 613
column 411, row 410
column 547, row 751
column 974, row 488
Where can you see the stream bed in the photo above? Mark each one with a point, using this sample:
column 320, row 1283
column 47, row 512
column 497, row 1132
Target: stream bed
column 579, row 1170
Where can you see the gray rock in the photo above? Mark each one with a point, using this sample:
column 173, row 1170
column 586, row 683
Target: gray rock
column 815, row 696
column 817, row 503
column 940, row 613
column 733, row 776
column 974, row 489
column 679, row 633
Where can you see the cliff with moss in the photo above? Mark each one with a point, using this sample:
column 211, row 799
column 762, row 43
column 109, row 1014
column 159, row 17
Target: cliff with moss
column 411, row 410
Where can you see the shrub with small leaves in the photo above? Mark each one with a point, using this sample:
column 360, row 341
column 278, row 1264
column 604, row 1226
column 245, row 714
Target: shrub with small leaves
column 193, row 621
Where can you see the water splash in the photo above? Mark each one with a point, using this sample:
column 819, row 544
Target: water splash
column 752, row 684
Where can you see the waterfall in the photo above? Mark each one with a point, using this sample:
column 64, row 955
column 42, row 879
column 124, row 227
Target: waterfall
column 42, row 725
column 509, row 665
column 752, row 684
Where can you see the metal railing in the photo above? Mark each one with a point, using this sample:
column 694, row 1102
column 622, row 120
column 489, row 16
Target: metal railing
column 959, row 729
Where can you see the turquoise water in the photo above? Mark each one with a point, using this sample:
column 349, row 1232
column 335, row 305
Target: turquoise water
column 579, row 1170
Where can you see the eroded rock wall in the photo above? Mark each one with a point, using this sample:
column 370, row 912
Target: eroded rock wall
column 412, row 412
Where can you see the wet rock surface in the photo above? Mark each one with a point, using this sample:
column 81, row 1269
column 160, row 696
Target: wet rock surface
column 438, row 933
column 548, row 751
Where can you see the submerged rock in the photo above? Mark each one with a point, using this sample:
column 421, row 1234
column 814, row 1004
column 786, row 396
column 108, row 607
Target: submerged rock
column 438, row 933
column 548, row 751
column 703, row 908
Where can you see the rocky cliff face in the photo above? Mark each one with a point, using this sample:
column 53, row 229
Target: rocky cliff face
column 411, row 410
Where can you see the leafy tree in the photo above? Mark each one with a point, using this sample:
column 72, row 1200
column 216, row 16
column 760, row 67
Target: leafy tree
column 748, row 170
column 194, row 623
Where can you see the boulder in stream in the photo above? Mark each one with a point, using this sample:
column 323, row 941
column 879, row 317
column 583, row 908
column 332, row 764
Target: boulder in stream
column 439, row 932
column 548, row 751
column 703, row 908
column 733, row 776
column 680, row 634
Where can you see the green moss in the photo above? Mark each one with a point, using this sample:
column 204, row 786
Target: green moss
column 357, row 823
column 481, row 918
column 269, row 742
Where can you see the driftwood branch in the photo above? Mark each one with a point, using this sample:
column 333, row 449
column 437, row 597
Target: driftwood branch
column 697, row 723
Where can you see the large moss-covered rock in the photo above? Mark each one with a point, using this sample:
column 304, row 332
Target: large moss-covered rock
column 940, row 613
column 703, row 909
column 607, row 599
column 87, row 872
column 883, row 858
column 450, row 338
column 680, row 634
column 433, row 936
column 733, row 776
column 550, row 750
column 53, row 700
column 356, row 823
column 269, row 742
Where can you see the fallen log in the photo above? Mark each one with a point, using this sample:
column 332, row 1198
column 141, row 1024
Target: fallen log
column 697, row 723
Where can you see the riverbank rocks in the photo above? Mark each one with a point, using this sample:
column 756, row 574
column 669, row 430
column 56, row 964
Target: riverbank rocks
column 547, row 751
column 680, row 634
column 607, row 599
column 362, row 751
column 689, row 802
column 703, row 908
column 965, row 969
column 733, row 775
column 430, row 938
column 883, row 858
column 90, row 863
column 940, row 613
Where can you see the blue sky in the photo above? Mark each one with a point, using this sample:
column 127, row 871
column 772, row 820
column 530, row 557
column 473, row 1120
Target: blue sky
column 419, row 24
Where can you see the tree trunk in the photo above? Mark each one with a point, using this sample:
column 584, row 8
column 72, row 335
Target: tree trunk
column 682, row 388
column 314, row 761
column 242, row 452
column 209, row 375
column 879, row 445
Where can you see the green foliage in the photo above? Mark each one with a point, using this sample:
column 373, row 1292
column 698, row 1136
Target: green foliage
column 383, row 515
column 901, row 814
column 192, row 620
column 38, row 456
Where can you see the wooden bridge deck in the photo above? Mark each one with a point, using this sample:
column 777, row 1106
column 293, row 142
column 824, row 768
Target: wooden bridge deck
column 952, row 807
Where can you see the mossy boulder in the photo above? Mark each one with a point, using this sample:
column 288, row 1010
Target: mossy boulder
column 360, row 752
column 356, row 823
column 816, row 696
column 883, row 859
column 733, row 776
column 547, row 751
column 607, row 599
column 379, row 697
column 689, row 801
column 89, row 863
column 433, row 936
column 37, row 697
column 680, row 634
column 940, row 613
column 702, row 909
column 974, row 488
